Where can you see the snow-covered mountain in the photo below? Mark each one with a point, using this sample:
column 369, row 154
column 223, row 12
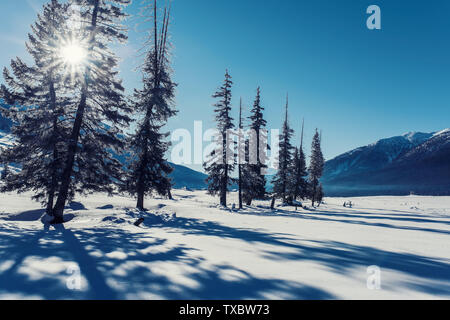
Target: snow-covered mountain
column 373, row 156
column 414, row 162
column 183, row 177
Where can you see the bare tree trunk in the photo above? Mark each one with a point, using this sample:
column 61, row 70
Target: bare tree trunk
column 313, row 196
column 223, row 192
column 52, row 190
column 140, row 201
column 240, row 155
column 140, row 182
column 240, row 185
column 67, row 173
column 240, row 188
column 272, row 204
column 50, row 200
column 224, row 186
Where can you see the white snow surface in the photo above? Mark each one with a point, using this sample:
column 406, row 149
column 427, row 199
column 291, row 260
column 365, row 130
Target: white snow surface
column 190, row 248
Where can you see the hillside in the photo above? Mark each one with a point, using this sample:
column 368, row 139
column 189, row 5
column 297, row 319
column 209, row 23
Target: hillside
column 411, row 163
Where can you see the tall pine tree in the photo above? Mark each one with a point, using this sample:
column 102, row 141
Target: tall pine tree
column 257, row 151
column 101, row 111
column 221, row 162
column 316, row 167
column 39, row 95
column 300, row 184
column 283, row 179
column 148, row 167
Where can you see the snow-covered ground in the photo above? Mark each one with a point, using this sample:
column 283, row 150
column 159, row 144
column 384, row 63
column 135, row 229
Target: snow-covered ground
column 190, row 248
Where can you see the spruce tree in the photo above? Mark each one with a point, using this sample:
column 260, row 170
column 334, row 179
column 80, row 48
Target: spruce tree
column 148, row 168
column 221, row 162
column 39, row 98
column 283, row 179
column 300, row 184
column 101, row 111
column 258, row 127
column 316, row 166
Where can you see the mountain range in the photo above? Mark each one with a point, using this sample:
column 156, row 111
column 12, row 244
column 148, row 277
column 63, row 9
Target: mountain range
column 415, row 162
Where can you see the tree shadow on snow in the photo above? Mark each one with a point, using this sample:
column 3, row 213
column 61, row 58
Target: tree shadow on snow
column 31, row 215
column 119, row 264
column 351, row 218
column 336, row 256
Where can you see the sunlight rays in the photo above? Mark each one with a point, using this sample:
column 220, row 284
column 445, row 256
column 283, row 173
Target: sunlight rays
column 73, row 55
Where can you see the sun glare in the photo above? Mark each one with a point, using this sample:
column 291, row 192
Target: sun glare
column 73, row 54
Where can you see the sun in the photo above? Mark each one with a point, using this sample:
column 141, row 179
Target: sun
column 72, row 57
column 73, row 54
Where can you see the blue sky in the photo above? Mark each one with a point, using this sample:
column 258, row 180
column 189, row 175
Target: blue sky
column 355, row 84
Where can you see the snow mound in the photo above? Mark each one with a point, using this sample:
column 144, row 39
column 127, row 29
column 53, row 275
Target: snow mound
column 114, row 220
column 130, row 216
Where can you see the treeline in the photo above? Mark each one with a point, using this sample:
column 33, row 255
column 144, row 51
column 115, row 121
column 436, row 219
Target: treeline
column 70, row 112
column 245, row 149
